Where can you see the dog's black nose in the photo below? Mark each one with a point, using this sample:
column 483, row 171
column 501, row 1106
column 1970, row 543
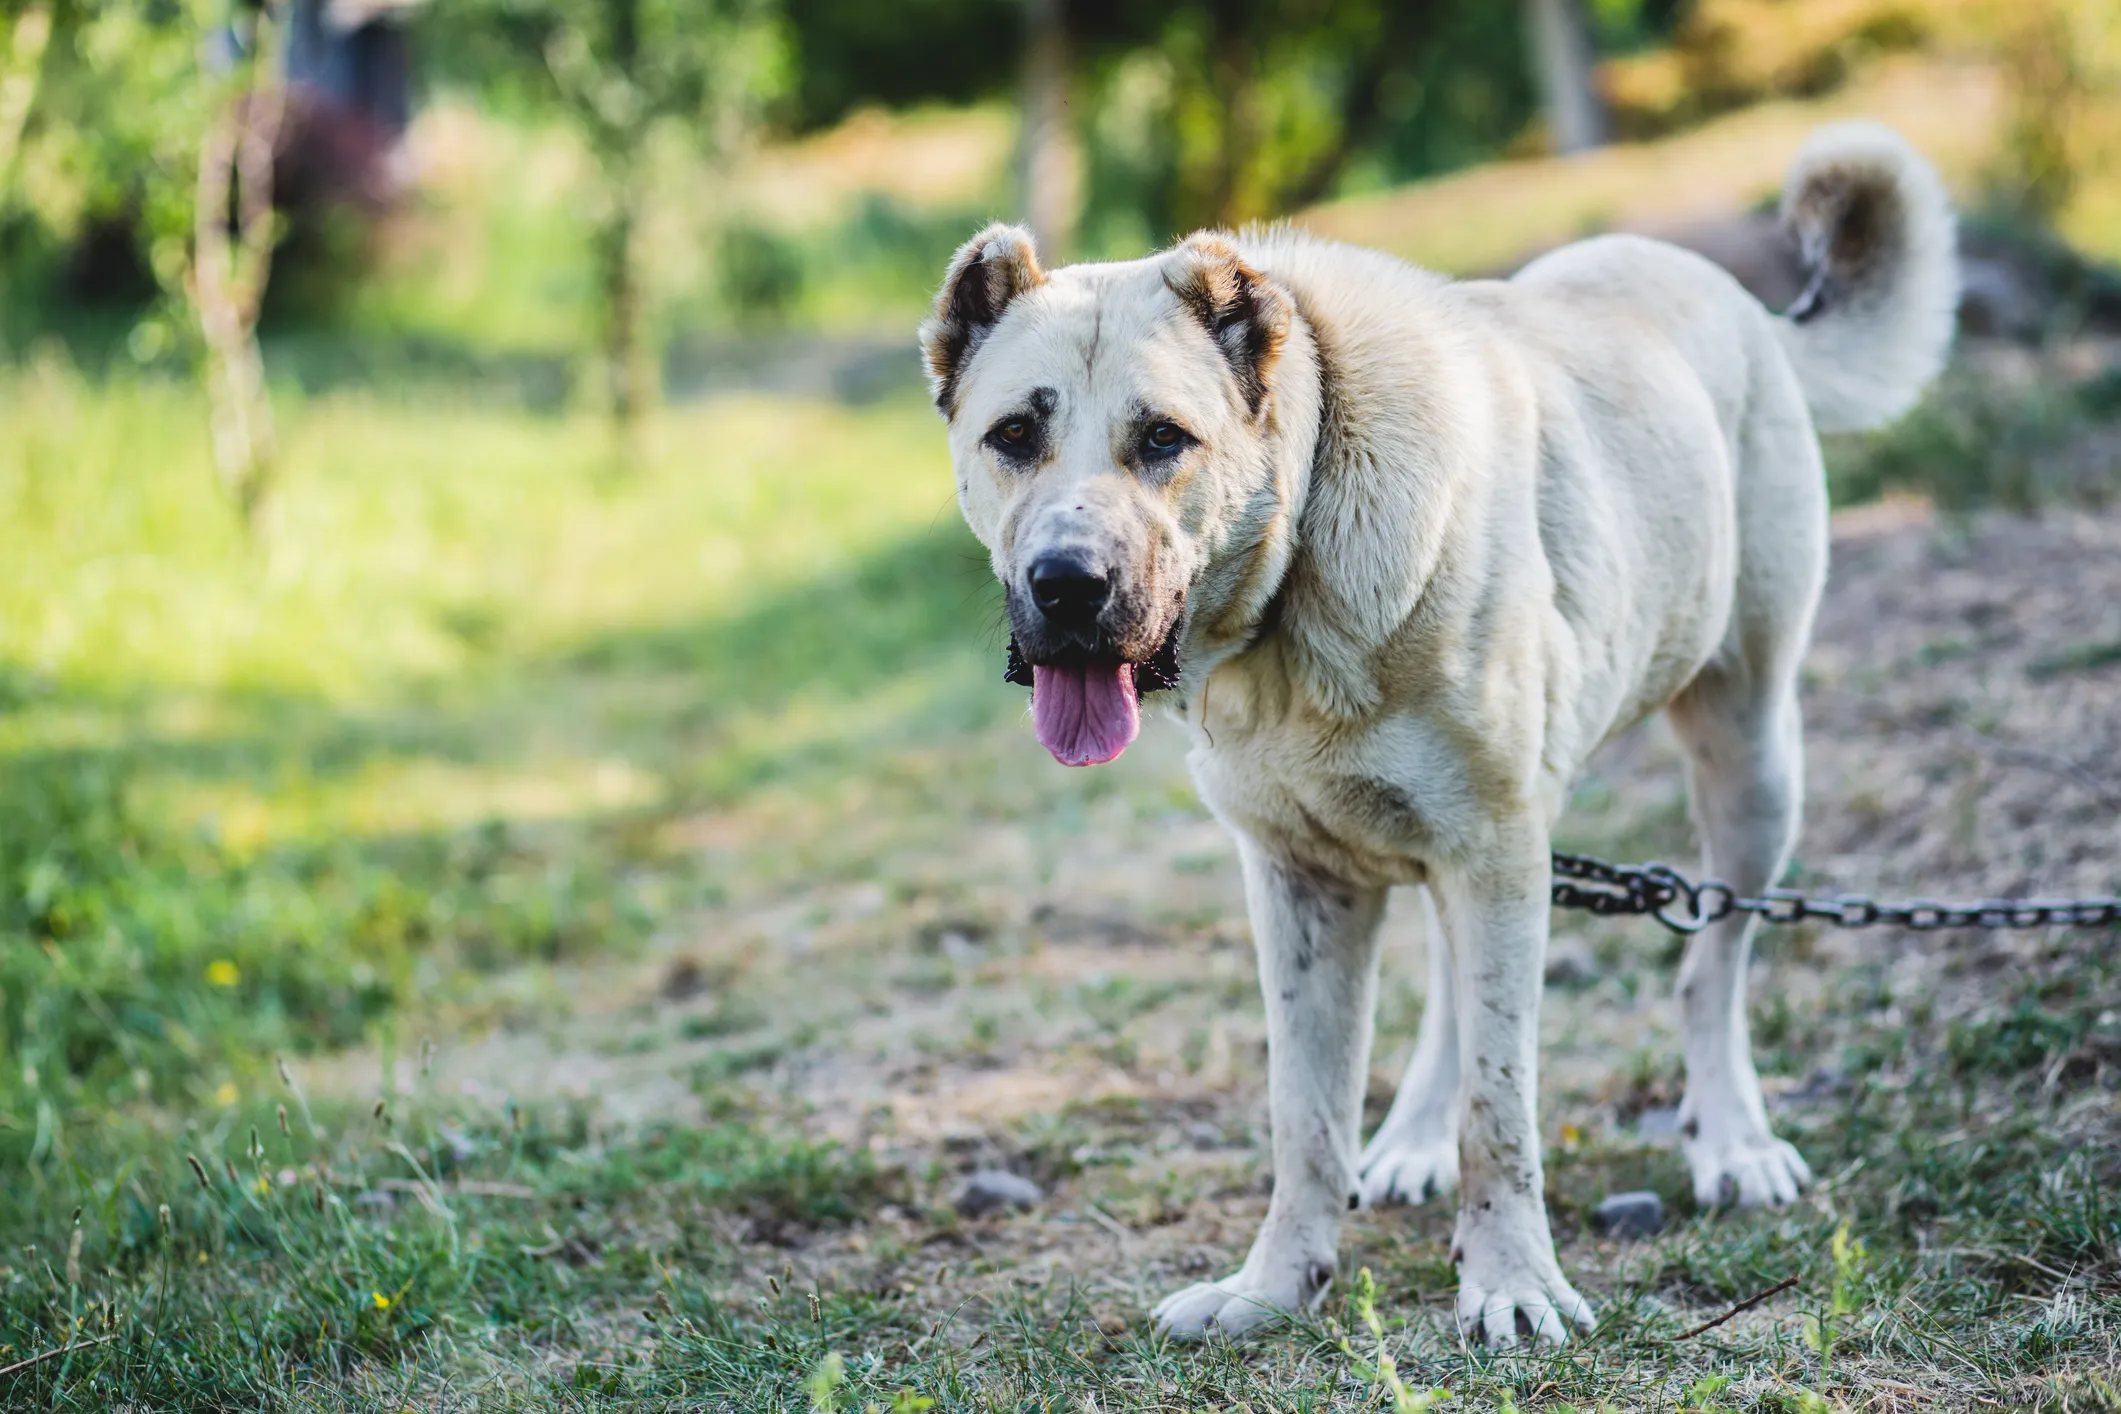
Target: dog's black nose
column 1068, row 592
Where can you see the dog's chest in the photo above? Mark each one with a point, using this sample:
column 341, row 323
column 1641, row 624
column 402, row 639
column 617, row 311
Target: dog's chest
column 1374, row 808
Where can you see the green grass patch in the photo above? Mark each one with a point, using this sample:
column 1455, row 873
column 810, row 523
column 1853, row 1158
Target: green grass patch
column 257, row 794
column 268, row 1259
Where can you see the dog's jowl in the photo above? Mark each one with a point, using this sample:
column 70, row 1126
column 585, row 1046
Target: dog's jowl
column 1405, row 551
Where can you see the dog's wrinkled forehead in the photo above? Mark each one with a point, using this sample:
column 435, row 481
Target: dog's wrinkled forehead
column 1103, row 341
column 1194, row 331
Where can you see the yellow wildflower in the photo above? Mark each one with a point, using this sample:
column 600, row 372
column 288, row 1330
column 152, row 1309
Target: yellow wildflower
column 223, row 973
column 382, row 1301
column 227, row 1094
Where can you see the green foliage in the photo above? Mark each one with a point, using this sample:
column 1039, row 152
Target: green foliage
column 1978, row 439
column 109, row 157
column 854, row 53
column 761, row 273
column 1219, row 114
column 618, row 69
column 620, row 72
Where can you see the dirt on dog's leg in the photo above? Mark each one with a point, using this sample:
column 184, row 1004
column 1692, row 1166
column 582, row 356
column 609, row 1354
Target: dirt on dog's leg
column 1745, row 771
column 1317, row 943
column 1414, row 1155
column 1495, row 908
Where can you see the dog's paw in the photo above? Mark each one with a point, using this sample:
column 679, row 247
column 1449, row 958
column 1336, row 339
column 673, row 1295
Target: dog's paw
column 1408, row 1168
column 1749, row 1167
column 1508, row 1279
column 1241, row 1302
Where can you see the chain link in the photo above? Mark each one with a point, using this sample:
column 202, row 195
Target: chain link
column 1683, row 906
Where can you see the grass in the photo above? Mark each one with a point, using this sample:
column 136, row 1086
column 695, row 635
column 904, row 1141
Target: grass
column 254, row 796
column 426, row 1255
column 486, row 727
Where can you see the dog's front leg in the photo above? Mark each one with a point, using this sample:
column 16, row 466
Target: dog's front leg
column 1496, row 911
column 1317, row 943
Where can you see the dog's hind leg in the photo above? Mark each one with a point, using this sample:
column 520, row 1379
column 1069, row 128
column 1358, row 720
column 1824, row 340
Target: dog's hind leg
column 1317, row 942
column 1414, row 1155
column 1745, row 773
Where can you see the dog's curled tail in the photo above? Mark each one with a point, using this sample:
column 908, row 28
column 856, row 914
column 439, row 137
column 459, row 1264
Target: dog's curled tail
column 1874, row 229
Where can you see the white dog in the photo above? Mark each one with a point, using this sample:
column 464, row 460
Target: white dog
column 1407, row 551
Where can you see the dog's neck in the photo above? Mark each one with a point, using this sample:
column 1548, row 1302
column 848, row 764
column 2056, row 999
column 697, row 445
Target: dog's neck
column 1236, row 602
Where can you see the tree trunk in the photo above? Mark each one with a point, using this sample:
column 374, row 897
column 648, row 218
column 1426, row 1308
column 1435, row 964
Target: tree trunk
column 229, row 270
column 629, row 381
column 1048, row 169
column 1233, row 76
column 1562, row 64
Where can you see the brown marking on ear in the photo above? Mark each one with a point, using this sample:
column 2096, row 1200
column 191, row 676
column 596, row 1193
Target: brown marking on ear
column 1246, row 314
column 988, row 271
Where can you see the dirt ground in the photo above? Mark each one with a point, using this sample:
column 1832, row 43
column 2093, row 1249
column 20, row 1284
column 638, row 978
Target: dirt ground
column 1057, row 979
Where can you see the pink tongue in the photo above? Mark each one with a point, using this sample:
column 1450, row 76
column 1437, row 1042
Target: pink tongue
column 1086, row 715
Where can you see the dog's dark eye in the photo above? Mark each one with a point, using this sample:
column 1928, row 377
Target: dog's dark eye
column 1014, row 437
column 1164, row 438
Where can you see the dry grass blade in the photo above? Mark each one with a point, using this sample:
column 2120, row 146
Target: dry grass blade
column 39, row 1359
column 1746, row 1305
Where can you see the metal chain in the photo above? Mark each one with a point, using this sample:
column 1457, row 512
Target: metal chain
column 1684, row 906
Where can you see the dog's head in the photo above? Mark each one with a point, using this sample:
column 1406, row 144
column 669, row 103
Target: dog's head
column 1112, row 430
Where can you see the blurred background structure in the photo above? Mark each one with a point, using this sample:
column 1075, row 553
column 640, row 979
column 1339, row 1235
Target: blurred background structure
column 476, row 537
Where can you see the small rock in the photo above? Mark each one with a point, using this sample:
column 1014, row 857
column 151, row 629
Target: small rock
column 1112, row 1325
column 1570, row 968
column 1657, row 1126
column 683, row 980
column 961, row 948
column 1630, row 1215
column 1205, row 1135
column 986, row 1191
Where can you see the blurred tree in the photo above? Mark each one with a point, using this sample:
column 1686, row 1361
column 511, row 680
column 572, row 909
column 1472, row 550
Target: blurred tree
column 1201, row 112
column 1047, row 177
column 849, row 53
column 234, row 229
column 619, row 71
column 1217, row 112
column 1562, row 62
column 29, row 33
column 166, row 115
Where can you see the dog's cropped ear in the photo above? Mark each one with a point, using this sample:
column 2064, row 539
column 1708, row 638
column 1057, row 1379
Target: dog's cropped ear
column 1246, row 314
column 988, row 271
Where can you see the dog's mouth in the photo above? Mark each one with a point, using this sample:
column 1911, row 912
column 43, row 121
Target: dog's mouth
column 1086, row 704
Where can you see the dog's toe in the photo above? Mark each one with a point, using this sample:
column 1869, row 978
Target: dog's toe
column 1755, row 1171
column 1227, row 1306
column 1408, row 1171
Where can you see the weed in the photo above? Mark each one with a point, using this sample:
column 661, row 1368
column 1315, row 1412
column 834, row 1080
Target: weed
column 1823, row 1329
column 1381, row 1370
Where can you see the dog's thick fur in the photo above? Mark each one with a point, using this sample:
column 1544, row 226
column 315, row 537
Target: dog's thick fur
column 1426, row 545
